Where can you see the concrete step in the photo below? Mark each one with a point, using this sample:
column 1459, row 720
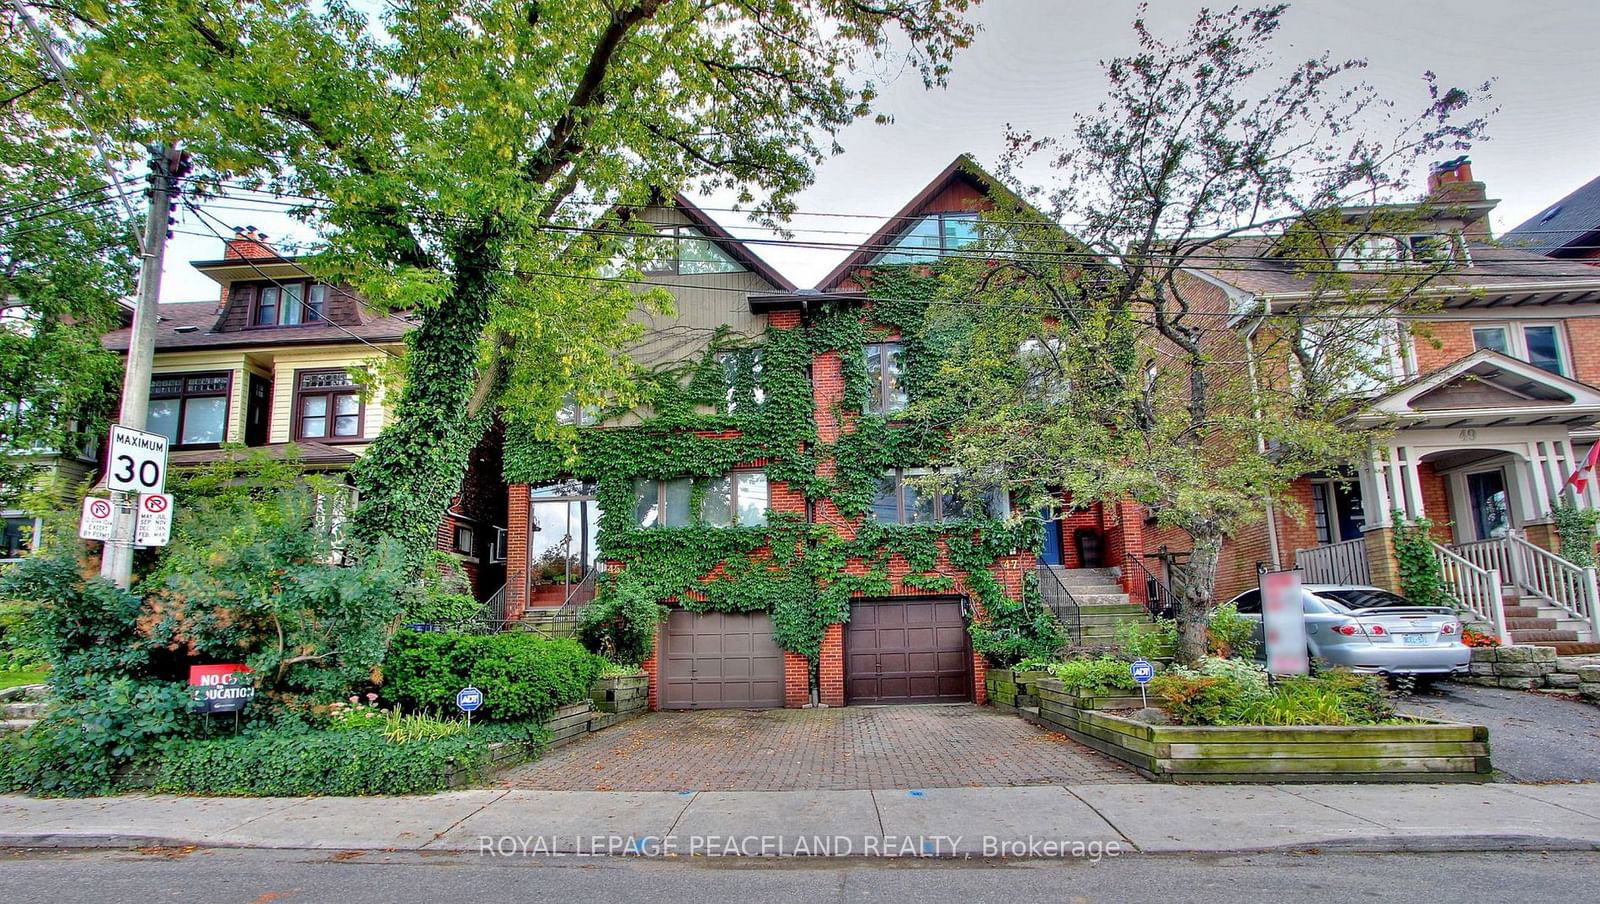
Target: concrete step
column 1522, row 612
column 1077, row 577
column 1535, row 624
column 28, row 710
column 1573, row 648
column 24, row 692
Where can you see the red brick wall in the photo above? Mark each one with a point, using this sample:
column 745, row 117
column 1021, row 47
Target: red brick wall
column 517, row 551
column 649, row 669
column 830, row 667
column 796, row 680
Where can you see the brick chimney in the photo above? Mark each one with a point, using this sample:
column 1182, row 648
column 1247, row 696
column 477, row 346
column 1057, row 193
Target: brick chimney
column 247, row 243
column 1451, row 180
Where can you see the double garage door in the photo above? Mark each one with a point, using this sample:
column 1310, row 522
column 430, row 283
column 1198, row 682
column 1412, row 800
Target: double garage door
column 719, row 660
column 907, row 651
column 895, row 651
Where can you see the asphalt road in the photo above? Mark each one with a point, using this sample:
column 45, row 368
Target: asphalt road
column 1532, row 737
column 285, row 877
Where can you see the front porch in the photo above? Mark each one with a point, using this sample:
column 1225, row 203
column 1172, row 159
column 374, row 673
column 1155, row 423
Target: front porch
column 1483, row 449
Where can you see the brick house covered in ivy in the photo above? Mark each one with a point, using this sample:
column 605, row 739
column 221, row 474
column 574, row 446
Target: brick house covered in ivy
column 766, row 492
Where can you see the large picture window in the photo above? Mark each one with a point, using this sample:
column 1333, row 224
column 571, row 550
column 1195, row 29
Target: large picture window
column 901, row 501
column 932, row 237
column 190, row 409
column 327, row 406
column 886, row 392
column 285, row 302
column 738, row 498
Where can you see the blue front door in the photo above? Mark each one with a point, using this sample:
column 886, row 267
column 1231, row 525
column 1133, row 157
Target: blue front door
column 1052, row 540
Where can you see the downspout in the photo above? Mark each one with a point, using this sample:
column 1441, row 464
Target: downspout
column 1273, row 547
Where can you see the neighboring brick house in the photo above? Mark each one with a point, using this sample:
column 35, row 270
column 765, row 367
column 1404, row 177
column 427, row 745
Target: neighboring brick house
column 275, row 362
column 1491, row 409
column 902, row 635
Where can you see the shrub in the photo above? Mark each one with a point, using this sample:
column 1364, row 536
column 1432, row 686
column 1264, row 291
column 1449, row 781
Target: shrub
column 1230, row 634
column 1095, row 677
column 1010, row 632
column 21, row 644
column 282, row 763
column 1228, row 692
column 1575, row 528
column 1147, row 640
column 621, row 624
column 523, row 676
column 1472, row 637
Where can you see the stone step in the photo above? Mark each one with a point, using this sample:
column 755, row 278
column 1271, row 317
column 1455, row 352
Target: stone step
column 1541, row 637
column 16, row 724
column 1574, row 648
column 24, row 692
column 1522, row 612
column 28, row 710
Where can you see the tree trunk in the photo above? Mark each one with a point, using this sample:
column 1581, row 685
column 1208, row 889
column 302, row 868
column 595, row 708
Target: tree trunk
column 1194, row 597
column 411, row 472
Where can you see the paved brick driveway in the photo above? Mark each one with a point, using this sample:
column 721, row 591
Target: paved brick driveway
column 804, row 749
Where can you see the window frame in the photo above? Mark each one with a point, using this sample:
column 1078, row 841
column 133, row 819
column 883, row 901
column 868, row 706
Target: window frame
column 183, row 395
column 296, row 413
column 878, row 397
column 307, row 287
column 1516, row 335
column 893, row 254
column 36, row 525
column 900, row 484
column 674, row 235
column 698, row 517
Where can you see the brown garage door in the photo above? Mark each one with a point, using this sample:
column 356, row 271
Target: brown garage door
column 907, row 651
column 717, row 660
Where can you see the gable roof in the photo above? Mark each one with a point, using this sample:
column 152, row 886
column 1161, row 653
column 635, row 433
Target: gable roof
column 736, row 249
column 1563, row 223
column 963, row 168
column 1519, row 394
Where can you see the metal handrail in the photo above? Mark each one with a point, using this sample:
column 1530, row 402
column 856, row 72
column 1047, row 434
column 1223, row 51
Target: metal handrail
column 1055, row 594
column 1478, row 589
column 1159, row 601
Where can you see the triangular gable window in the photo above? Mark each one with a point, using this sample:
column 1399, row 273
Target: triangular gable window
column 930, row 238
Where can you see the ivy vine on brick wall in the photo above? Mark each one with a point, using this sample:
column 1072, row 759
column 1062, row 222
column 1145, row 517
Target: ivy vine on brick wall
column 750, row 401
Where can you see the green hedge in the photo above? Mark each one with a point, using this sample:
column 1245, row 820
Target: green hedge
column 274, row 764
column 523, row 676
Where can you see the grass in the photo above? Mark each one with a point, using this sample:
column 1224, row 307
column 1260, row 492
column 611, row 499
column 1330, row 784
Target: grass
column 13, row 679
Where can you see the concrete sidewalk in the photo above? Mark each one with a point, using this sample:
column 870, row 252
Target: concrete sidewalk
column 1040, row 821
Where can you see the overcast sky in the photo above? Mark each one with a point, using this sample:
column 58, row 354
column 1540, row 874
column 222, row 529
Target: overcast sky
column 1036, row 63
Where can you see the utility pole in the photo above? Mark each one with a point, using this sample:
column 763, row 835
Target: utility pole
column 166, row 166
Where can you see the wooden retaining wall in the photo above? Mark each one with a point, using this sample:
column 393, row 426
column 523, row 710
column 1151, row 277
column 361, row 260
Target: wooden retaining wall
column 1432, row 752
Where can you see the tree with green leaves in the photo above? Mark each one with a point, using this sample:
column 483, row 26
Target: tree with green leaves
column 1099, row 364
column 66, row 258
column 475, row 163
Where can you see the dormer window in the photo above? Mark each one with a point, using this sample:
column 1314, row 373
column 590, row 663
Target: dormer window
column 930, row 238
column 1381, row 252
column 284, row 302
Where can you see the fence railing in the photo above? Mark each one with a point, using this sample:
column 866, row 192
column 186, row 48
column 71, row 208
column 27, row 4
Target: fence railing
column 1055, row 594
column 1335, row 563
column 1534, row 570
column 1478, row 589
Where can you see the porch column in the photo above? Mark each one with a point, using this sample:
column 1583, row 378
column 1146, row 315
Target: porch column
column 1538, row 506
column 1375, row 490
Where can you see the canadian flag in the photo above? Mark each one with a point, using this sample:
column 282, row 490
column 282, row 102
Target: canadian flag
column 1581, row 477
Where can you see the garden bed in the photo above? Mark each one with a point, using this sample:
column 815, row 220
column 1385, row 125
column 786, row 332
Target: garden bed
column 1423, row 752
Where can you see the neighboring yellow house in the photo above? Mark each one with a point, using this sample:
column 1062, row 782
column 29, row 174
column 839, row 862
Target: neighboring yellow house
column 280, row 359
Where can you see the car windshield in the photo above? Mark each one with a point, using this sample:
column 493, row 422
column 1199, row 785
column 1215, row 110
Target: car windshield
column 1355, row 598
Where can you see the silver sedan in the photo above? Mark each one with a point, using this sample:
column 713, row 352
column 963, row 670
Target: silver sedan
column 1369, row 629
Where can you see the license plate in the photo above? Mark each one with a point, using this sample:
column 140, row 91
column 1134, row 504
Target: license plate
column 1416, row 640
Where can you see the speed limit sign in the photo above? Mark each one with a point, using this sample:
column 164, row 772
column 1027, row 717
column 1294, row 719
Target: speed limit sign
column 138, row 461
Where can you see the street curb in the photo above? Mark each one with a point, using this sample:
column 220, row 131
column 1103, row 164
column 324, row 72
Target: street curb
column 1373, row 844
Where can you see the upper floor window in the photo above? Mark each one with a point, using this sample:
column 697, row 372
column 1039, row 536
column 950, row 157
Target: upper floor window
column 191, row 409
column 1378, row 252
column 930, row 238
column 1539, row 344
column 885, row 377
column 900, row 500
column 738, row 498
column 573, row 414
column 687, row 251
column 1040, row 359
column 741, row 378
column 285, row 302
column 327, row 405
